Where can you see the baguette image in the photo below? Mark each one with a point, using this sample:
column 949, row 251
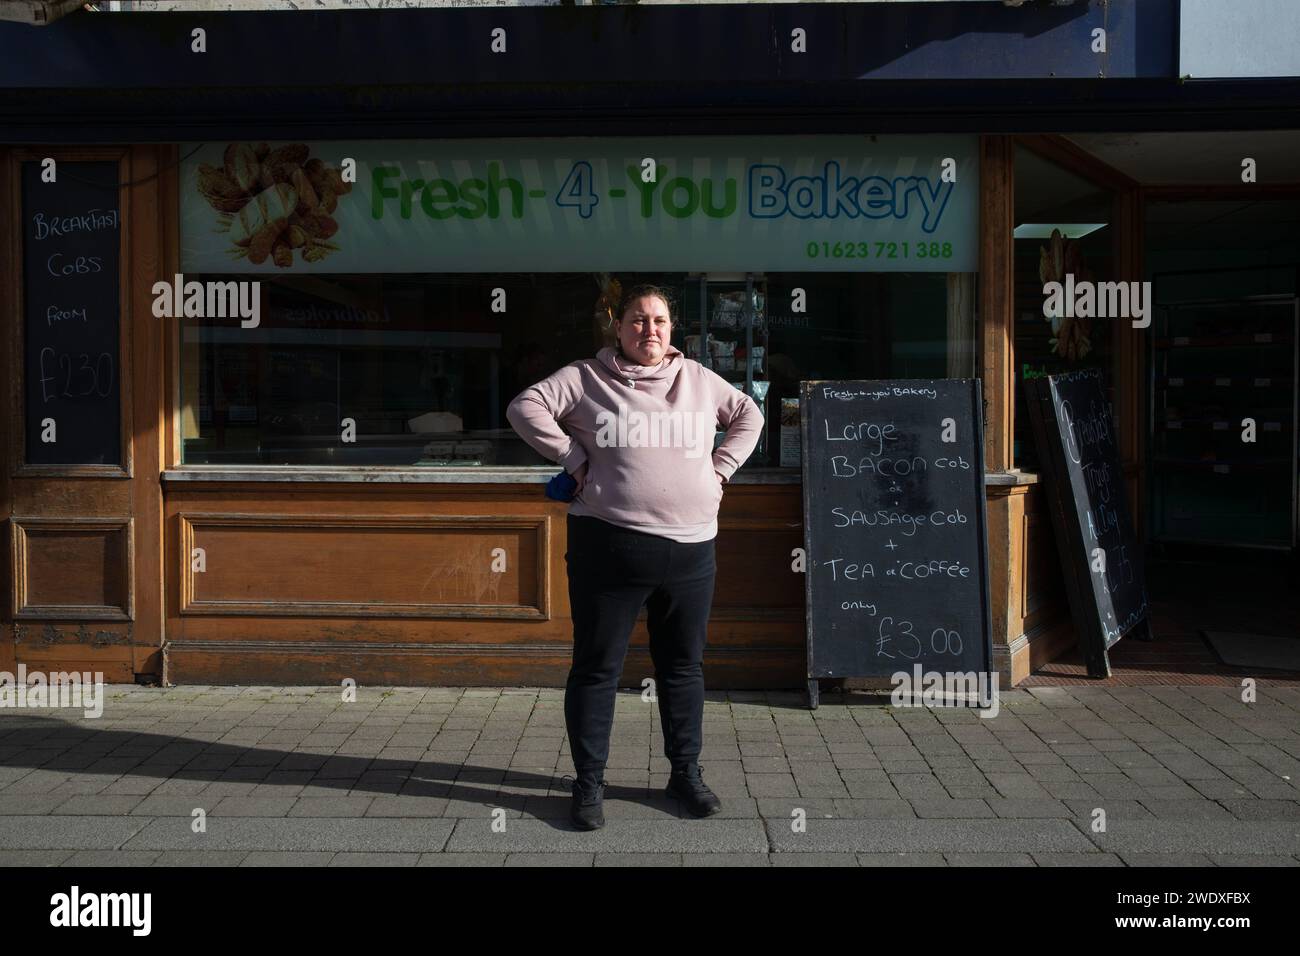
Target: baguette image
column 273, row 202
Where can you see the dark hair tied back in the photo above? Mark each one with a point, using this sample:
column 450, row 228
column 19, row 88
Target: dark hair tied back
column 636, row 292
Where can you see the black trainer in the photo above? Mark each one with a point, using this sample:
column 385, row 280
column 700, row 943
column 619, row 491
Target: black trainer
column 688, row 786
column 587, row 809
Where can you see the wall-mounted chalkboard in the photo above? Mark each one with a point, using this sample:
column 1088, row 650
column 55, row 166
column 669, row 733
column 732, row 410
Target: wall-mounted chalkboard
column 71, row 249
column 1101, row 558
column 894, row 528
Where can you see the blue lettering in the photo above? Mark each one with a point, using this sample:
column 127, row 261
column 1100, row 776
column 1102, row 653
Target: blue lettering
column 832, row 195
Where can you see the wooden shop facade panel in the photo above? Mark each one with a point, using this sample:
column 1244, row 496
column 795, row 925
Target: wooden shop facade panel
column 315, row 582
column 359, row 565
column 80, row 495
column 1026, row 617
column 756, row 631
column 72, row 567
column 277, row 582
column 1030, row 618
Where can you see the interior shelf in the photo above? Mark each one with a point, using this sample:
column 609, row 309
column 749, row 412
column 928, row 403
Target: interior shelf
column 1248, row 340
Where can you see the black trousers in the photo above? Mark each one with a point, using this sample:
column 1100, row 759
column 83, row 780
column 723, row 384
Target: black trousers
column 613, row 573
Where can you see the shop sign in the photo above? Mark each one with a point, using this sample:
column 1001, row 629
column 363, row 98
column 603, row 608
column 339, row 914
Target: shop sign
column 752, row 203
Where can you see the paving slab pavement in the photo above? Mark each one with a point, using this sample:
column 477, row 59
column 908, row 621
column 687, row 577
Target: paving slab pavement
column 287, row 776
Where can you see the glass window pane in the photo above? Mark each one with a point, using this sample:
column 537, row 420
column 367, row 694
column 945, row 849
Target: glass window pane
column 405, row 370
column 1050, row 199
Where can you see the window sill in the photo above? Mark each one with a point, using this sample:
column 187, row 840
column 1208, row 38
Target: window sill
column 360, row 474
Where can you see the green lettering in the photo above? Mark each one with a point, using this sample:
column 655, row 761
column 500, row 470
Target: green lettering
column 671, row 206
column 647, row 191
column 494, row 185
column 438, row 191
column 471, row 191
column 378, row 191
column 408, row 186
column 730, row 206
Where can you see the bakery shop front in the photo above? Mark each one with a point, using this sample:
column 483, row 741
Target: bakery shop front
column 345, row 472
column 257, row 429
column 258, row 361
column 320, row 341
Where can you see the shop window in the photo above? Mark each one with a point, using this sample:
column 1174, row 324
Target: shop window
column 417, row 370
column 1064, row 226
column 852, row 325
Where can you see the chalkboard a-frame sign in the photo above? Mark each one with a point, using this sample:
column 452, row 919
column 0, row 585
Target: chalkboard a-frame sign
column 1101, row 558
column 896, row 550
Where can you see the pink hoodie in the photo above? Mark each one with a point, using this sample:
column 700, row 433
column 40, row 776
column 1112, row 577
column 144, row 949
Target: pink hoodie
column 646, row 434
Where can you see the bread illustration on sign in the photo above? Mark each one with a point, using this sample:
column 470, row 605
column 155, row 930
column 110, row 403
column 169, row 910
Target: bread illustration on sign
column 274, row 201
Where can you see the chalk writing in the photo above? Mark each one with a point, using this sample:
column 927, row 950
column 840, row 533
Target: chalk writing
column 881, row 518
column 894, row 526
column 95, row 374
column 45, row 226
column 71, row 303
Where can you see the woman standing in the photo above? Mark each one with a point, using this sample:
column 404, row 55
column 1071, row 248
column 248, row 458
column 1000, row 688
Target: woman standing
column 635, row 428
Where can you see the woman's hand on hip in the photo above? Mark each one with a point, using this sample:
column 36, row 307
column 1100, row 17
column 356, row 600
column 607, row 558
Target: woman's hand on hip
column 580, row 476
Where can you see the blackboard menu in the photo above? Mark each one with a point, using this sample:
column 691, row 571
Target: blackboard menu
column 71, row 242
column 894, row 528
column 1101, row 559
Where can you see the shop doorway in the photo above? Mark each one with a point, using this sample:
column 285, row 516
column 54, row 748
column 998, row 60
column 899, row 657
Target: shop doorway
column 1222, row 439
column 1207, row 394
